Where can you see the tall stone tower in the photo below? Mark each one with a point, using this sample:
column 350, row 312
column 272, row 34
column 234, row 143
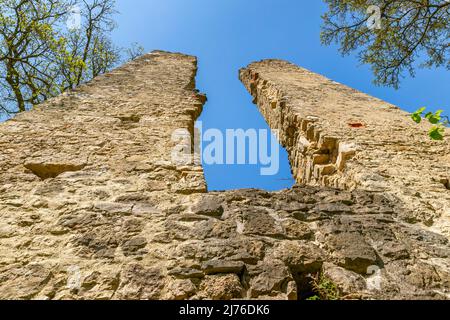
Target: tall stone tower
column 92, row 207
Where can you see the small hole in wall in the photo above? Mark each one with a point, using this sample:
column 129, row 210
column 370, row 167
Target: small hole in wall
column 446, row 183
column 305, row 288
column 314, row 285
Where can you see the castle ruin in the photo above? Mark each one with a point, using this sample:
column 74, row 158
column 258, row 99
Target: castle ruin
column 92, row 207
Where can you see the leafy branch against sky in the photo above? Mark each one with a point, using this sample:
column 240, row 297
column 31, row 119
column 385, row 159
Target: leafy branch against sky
column 49, row 46
column 394, row 37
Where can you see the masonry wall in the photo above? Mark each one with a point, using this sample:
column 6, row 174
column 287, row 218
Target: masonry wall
column 92, row 207
column 339, row 137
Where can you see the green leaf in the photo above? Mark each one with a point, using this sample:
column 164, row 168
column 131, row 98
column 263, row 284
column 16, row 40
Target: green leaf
column 433, row 118
column 421, row 110
column 437, row 133
column 416, row 117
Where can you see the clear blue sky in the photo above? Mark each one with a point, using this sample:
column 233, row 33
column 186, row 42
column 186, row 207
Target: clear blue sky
column 229, row 34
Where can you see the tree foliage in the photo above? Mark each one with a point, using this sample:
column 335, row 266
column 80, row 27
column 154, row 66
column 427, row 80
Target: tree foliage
column 391, row 35
column 134, row 51
column 49, row 46
column 438, row 121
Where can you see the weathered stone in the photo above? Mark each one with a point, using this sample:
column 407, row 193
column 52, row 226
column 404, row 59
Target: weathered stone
column 143, row 209
column 214, row 267
column 6, row 232
column 296, row 230
column 186, row 273
column 114, row 208
column 101, row 244
column 93, row 207
column 299, row 256
column 352, row 252
column 52, row 170
column 292, row 206
column 333, row 208
column 347, row 282
column 25, row 282
column 423, row 275
column 260, row 222
column 221, row 287
column 272, row 280
column 131, row 246
column 394, row 250
column 327, row 146
column 180, row 290
column 249, row 251
column 138, row 282
column 208, row 206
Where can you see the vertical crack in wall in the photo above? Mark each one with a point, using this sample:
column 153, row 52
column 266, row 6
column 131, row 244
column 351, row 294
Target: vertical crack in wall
column 255, row 152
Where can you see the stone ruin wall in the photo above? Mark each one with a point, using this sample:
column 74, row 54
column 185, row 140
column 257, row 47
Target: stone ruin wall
column 92, row 207
column 342, row 138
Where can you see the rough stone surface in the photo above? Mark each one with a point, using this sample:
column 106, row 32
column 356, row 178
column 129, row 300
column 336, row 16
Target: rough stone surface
column 92, row 207
column 342, row 138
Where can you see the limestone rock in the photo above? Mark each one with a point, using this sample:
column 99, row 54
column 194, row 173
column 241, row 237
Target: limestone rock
column 93, row 207
column 352, row 252
column 208, row 206
column 221, row 287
